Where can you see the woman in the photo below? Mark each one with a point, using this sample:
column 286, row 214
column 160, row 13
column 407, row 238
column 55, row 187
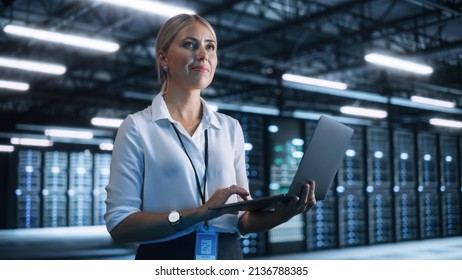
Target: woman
column 177, row 158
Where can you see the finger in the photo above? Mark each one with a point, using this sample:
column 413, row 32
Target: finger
column 304, row 194
column 312, row 187
column 243, row 193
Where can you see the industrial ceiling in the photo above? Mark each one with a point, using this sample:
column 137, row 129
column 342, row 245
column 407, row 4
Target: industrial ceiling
column 259, row 40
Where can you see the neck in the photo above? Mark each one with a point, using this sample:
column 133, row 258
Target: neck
column 185, row 107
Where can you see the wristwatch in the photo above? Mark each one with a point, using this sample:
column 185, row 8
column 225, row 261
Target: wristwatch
column 174, row 217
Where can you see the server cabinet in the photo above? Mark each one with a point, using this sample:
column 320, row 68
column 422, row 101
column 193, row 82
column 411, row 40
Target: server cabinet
column 4, row 183
column 286, row 151
column 321, row 222
column 449, row 186
column 80, row 188
column 54, row 191
column 405, row 184
column 352, row 225
column 102, row 163
column 428, row 192
column 379, row 198
column 253, row 128
column 28, row 189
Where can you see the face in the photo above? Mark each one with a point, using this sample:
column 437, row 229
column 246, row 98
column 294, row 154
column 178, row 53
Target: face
column 192, row 58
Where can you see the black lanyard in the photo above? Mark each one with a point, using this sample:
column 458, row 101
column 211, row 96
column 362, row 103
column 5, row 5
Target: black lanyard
column 202, row 193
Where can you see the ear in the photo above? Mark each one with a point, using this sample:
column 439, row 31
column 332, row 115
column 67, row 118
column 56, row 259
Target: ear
column 162, row 58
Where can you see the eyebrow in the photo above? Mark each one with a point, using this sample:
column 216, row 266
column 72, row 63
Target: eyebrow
column 195, row 39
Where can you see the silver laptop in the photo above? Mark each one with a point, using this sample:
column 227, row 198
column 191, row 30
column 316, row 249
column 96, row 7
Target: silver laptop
column 320, row 162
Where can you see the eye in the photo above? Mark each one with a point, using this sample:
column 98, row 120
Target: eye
column 189, row 45
column 211, row 47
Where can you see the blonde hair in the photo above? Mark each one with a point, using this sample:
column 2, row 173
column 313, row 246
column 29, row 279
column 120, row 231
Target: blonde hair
column 167, row 35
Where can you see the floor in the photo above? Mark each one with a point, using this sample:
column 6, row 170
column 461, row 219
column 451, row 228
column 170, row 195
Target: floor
column 95, row 243
column 430, row 249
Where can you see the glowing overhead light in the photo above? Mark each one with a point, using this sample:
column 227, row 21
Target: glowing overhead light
column 68, row 133
column 151, row 7
column 364, row 112
column 446, row 123
column 313, row 81
column 31, row 142
column 71, row 40
column 396, row 63
column 106, row 146
column 6, row 148
column 432, row 101
column 35, row 66
column 106, row 122
column 14, row 85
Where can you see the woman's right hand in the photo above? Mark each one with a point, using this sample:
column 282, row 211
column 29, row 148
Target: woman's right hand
column 220, row 197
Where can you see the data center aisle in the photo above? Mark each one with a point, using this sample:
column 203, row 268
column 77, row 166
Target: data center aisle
column 429, row 249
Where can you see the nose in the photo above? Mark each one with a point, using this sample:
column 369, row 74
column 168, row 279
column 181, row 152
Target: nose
column 202, row 54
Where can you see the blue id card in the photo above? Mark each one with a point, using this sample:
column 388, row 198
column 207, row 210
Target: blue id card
column 206, row 244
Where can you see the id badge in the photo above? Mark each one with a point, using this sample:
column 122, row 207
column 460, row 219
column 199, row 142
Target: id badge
column 206, row 244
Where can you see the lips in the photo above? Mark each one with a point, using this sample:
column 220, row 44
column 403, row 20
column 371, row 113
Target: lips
column 203, row 69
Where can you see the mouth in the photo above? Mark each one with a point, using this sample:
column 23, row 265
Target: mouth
column 201, row 69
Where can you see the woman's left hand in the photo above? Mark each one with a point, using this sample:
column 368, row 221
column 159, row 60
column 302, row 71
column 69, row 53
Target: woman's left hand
column 297, row 205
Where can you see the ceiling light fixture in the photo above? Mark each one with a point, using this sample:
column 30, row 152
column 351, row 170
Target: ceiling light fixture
column 151, row 7
column 31, row 142
column 28, row 65
column 106, row 146
column 364, row 112
column 432, row 101
column 68, row 133
column 397, row 63
column 106, row 122
column 446, row 123
column 313, row 81
column 6, row 148
column 71, row 40
column 14, row 85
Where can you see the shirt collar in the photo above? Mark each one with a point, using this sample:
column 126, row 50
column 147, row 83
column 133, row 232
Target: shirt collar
column 160, row 111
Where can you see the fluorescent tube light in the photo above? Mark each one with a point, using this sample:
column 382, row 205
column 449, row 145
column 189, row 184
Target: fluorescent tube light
column 106, row 146
column 396, row 63
column 313, row 81
column 106, row 122
column 14, row 85
column 31, row 142
column 364, row 112
column 446, row 123
column 6, row 148
column 150, row 7
column 35, row 66
column 432, row 101
column 68, row 133
column 61, row 38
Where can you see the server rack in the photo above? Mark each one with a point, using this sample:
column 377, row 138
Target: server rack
column 80, row 188
column 379, row 198
column 449, row 186
column 28, row 189
column 352, row 225
column 101, row 179
column 321, row 222
column 428, row 192
column 54, row 192
column 253, row 127
column 286, row 151
column 404, row 189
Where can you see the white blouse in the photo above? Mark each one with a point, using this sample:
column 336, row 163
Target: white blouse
column 151, row 172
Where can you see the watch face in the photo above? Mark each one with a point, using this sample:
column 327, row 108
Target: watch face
column 174, row 217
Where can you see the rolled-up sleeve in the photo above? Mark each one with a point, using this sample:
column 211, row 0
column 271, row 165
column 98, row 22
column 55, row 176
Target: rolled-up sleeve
column 125, row 185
